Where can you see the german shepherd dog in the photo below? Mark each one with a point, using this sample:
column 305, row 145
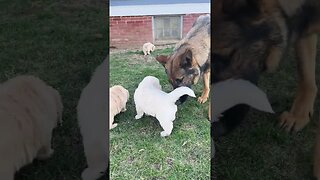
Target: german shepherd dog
column 250, row 37
column 190, row 59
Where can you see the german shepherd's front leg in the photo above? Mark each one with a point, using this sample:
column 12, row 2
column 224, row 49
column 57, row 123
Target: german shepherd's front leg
column 206, row 88
column 302, row 107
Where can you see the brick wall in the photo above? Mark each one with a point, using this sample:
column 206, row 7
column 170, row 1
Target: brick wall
column 134, row 31
column 126, row 31
column 188, row 21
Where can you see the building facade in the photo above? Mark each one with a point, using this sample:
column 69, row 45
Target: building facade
column 133, row 23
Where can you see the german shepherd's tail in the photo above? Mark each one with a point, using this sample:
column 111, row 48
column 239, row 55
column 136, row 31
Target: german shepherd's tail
column 180, row 91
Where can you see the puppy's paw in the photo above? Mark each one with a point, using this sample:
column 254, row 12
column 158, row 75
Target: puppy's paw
column 202, row 99
column 113, row 125
column 124, row 109
column 138, row 116
column 164, row 134
column 290, row 121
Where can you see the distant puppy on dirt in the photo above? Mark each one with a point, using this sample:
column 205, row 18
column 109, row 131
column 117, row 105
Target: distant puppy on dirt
column 118, row 98
column 150, row 99
column 92, row 116
column 29, row 111
column 147, row 48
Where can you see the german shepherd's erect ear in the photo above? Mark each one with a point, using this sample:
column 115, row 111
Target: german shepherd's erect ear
column 162, row 59
column 241, row 8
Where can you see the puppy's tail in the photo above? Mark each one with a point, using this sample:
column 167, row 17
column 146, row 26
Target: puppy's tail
column 232, row 92
column 180, row 91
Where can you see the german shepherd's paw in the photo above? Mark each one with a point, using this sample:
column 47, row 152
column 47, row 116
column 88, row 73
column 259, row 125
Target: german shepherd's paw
column 294, row 122
column 202, row 99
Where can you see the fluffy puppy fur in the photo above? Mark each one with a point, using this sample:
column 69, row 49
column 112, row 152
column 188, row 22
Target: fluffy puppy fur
column 118, row 97
column 147, row 48
column 92, row 117
column 29, row 111
column 151, row 100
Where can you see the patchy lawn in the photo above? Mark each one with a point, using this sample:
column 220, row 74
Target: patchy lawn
column 61, row 42
column 259, row 149
column 136, row 149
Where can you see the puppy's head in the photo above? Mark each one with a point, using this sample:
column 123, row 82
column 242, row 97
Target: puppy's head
column 121, row 91
column 122, row 96
column 153, row 47
column 127, row 95
column 151, row 81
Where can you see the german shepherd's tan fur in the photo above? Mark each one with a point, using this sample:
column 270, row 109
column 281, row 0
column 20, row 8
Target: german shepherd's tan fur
column 191, row 58
column 253, row 36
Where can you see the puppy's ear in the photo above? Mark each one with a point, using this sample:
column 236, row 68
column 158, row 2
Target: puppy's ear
column 162, row 59
column 186, row 59
column 241, row 8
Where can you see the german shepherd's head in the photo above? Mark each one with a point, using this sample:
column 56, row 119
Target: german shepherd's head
column 242, row 39
column 181, row 68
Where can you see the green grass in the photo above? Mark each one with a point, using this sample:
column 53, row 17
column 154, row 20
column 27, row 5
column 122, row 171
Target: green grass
column 136, row 149
column 61, row 42
column 258, row 149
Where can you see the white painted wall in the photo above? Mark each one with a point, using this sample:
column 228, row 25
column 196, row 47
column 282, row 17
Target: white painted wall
column 163, row 9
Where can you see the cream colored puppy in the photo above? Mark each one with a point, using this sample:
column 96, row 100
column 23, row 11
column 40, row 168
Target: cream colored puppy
column 93, row 122
column 118, row 97
column 151, row 100
column 147, row 48
column 29, row 111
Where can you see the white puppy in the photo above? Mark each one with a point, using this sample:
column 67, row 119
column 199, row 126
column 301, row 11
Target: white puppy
column 147, row 48
column 29, row 111
column 151, row 100
column 93, row 121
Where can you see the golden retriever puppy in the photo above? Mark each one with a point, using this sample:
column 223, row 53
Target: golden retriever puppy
column 147, row 48
column 118, row 97
column 29, row 111
column 93, row 122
